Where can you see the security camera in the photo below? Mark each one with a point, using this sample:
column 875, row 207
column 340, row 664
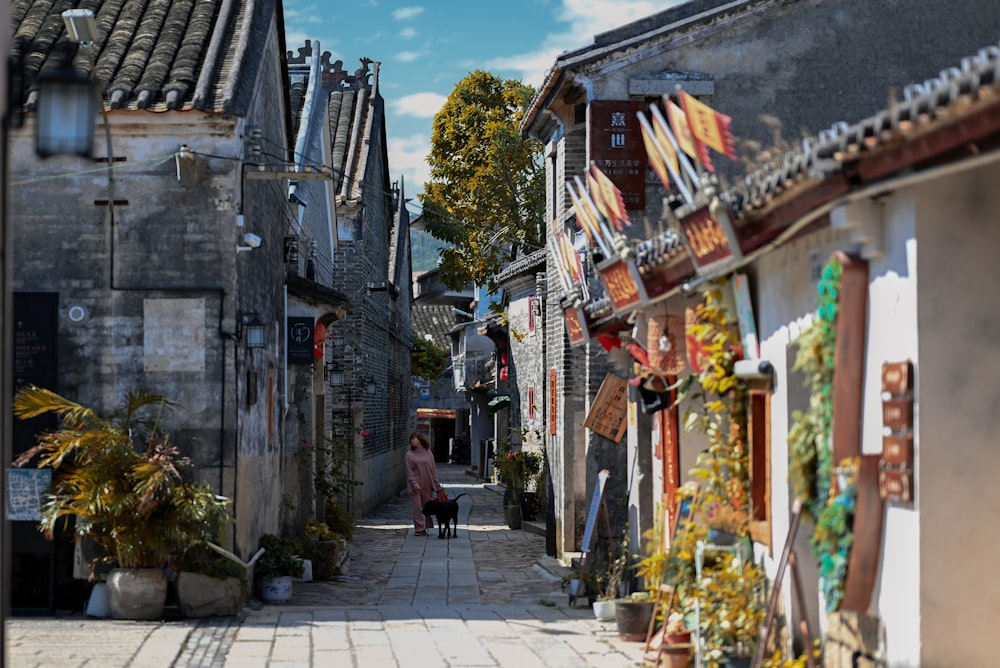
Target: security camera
column 252, row 240
column 753, row 369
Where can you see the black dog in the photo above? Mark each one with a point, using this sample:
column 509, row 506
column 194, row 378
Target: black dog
column 446, row 513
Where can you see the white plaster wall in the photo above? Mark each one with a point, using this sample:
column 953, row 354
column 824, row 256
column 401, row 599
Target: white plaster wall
column 783, row 289
column 892, row 337
column 958, row 227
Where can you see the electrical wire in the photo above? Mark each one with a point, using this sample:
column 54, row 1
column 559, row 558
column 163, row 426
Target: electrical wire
column 152, row 162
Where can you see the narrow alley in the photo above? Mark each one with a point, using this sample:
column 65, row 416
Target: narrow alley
column 489, row 597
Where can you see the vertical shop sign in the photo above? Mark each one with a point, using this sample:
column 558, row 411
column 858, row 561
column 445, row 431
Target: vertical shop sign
column 300, row 340
column 553, row 402
column 616, row 147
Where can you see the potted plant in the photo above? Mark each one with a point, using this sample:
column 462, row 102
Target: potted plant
column 610, row 585
column 732, row 611
column 276, row 567
column 726, row 523
column 209, row 584
column 119, row 478
column 516, row 468
column 321, row 546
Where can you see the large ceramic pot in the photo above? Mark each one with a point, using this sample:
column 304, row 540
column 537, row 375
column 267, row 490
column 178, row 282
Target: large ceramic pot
column 137, row 593
column 325, row 555
column 632, row 618
column 604, row 610
column 512, row 514
column 277, row 589
column 200, row 595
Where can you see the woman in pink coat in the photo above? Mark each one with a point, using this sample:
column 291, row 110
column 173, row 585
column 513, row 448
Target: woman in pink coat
column 422, row 479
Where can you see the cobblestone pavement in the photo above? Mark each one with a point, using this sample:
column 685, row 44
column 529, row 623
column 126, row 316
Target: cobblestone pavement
column 489, row 597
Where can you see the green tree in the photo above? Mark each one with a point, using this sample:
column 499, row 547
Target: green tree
column 486, row 197
column 428, row 360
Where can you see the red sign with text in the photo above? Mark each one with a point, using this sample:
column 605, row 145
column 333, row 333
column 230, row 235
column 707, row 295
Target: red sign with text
column 617, row 148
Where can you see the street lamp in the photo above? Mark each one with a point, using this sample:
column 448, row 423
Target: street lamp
column 67, row 104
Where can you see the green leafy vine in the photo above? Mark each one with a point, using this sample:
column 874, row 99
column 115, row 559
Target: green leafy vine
column 810, row 445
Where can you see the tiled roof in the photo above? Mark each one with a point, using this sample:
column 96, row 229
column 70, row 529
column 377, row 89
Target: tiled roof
column 523, row 264
column 154, row 55
column 434, row 320
column 960, row 94
column 352, row 107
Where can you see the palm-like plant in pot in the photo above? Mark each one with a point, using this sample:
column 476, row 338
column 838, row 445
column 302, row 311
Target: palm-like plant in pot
column 119, row 477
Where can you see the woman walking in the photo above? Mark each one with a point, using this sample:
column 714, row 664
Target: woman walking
column 422, row 477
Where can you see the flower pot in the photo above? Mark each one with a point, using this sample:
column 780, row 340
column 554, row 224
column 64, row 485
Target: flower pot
column 604, row 610
column 528, row 502
column 97, row 604
column 632, row 619
column 277, row 589
column 200, row 595
column 679, row 638
column 677, row 656
column 137, row 593
column 512, row 515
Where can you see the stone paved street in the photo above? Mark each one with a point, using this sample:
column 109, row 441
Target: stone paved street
column 489, row 597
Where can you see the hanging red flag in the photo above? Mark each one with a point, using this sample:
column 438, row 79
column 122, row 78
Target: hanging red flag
column 614, row 203
column 708, row 127
column 682, row 131
column 653, row 153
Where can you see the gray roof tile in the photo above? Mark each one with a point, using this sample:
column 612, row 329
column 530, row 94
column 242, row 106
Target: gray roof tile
column 154, row 55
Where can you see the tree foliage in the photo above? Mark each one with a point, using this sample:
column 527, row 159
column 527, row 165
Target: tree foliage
column 428, row 360
column 486, row 196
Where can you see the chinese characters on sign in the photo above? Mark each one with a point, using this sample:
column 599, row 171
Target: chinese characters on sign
column 623, row 287
column 576, row 326
column 895, row 475
column 610, row 409
column 710, row 241
column 617, row 148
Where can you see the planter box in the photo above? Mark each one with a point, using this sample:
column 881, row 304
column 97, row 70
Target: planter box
column 204, row 596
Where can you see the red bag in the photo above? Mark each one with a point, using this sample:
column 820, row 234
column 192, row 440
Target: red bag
column 442, row 496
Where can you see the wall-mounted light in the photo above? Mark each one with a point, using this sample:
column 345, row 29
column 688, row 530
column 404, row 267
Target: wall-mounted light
column 67, row 100
column 334, row 375
column 250, row 241
column 252, row 330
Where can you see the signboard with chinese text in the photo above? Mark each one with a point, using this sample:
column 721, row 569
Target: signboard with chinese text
column 553, row 403
column 895, row 467
column 609, row 412
column 616, row 147
column 621, row 280
column 576, row 326
column 300, row 340
column 710, row 240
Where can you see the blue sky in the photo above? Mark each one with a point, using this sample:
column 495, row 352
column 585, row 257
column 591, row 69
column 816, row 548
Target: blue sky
column 425, row 49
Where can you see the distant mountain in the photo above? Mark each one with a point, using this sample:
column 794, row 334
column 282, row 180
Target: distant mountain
column 424, row 251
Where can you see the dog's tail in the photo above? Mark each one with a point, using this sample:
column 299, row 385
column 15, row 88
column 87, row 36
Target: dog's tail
column 456, row 498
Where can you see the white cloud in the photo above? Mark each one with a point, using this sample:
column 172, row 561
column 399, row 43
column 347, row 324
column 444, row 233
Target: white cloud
column 408, row 157
column 406, row 13
column 584, row 19
column 407, row 33
column 421, row 105
column 408, row 56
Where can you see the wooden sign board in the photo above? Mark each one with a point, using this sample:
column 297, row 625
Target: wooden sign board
column 609, row 412
column 621, row 280
column 710, row 240
column 895, row 467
